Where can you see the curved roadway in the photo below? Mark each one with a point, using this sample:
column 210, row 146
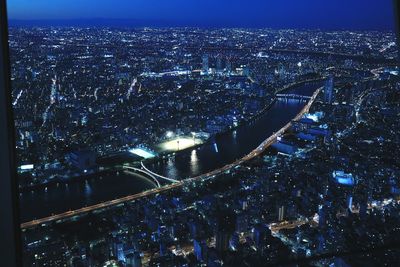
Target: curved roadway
column 256, row 152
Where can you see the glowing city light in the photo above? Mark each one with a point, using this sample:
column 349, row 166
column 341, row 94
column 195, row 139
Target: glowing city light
column 142, row 153
column 178, row 143
column 26, row 167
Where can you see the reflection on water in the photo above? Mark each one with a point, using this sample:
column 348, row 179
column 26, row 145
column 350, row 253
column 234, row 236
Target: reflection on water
column 171, row 168
column 224, row 149
column 78, row 194
column 194, row 161
column 234, row 145
column 216, row 148
column 88, row 189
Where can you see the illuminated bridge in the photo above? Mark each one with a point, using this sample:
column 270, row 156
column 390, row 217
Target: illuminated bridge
column 148, row 173
column 293, row 97
column 157, row 175
column 174, row 183
column 128, row 168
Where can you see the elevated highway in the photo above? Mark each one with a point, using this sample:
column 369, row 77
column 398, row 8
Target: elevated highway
column 174, row 183
column 142, row 172
column 293, row 97
column 157, row 175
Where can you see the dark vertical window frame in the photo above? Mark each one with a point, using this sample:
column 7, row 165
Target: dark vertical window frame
column 10, row 235
column 396, row 10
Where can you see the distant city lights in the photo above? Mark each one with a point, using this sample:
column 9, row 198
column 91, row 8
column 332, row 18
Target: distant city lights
column 26, row 167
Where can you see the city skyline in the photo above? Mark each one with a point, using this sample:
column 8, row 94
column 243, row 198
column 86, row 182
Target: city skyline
column 310, row 14
column 199, row 135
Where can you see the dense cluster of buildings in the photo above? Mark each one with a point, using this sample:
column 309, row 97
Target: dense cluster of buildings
column 325, row 194
column 115, row 89
column 329, row 195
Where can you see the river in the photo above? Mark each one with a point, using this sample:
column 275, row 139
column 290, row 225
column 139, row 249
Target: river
column 222, row 150
column 233, row 145
column 63, row 197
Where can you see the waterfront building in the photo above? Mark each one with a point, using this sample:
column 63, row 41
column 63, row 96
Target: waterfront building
column 83, row 160
column 285, row 148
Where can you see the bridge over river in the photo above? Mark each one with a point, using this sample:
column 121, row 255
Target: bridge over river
column 221, row 154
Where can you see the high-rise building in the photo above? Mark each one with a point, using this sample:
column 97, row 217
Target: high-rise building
column 281, row 213
column 242, row 222
column 205, row 64
column 228, row 65
column 281, row 71
column 219, row 64
column 83, row 160
column 246, row 71
column 350, row 202
column 259, row 235
column 322, row 215
column 200, row 250
column 328, row 90
column 134, row 260
column 222, row 241
column 321, row 245
column 234, row 242
column 225, row 228
column 163, row 248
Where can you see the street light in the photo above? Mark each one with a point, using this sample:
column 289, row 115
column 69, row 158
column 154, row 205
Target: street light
column 169, row 134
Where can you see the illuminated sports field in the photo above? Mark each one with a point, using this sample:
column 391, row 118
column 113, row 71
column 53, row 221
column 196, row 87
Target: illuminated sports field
column 178, row 143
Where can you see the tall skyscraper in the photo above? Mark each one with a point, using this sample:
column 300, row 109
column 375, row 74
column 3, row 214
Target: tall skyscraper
column 205, row 64
column 328, row 90
column 281, row 213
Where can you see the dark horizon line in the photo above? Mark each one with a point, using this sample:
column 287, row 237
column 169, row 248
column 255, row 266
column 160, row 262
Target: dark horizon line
column 143, row 23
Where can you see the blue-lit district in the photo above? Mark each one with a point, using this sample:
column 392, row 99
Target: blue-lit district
column 206, row 147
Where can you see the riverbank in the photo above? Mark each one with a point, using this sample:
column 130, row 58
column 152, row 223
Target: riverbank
column 80, row 195
column 117, row 191
column 211, row 140
column 264, row 145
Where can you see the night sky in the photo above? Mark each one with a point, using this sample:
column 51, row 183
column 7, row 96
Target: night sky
column 324, row 14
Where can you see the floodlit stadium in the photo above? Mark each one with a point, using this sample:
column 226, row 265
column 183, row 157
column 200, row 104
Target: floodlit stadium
column 178, row 143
